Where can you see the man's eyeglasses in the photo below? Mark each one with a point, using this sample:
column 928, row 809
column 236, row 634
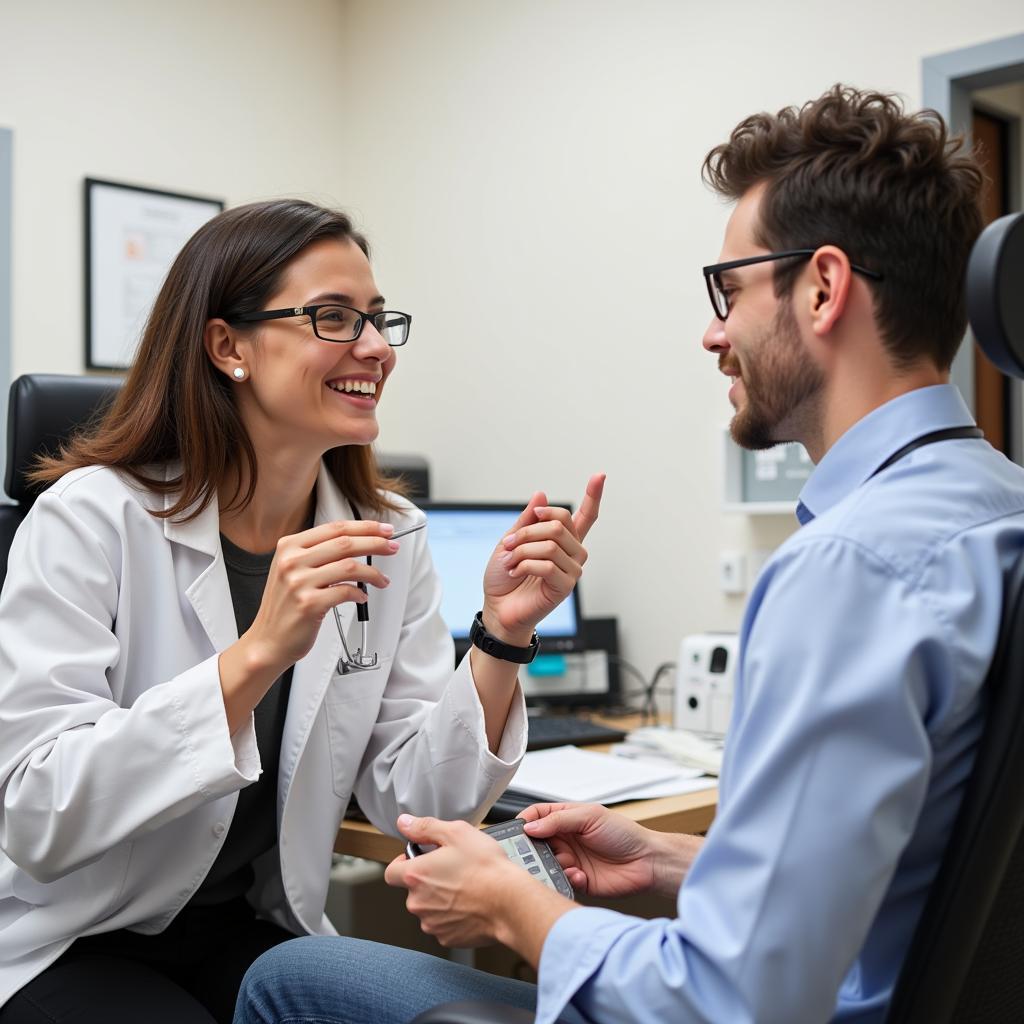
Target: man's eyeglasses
column 719, row 293
column 332, row 322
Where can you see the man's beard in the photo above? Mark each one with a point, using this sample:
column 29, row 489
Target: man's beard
column 781, row 386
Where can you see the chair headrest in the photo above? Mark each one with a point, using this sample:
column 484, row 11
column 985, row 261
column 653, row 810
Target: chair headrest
column 995, row 292
column 44, row 410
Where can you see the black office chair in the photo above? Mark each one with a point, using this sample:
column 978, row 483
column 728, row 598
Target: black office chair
column 412, row 470
column 43, row 411
column 966, row 961
column 475, row 1011
column 965, row 964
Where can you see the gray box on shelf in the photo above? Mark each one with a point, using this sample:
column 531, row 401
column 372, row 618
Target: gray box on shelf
column 765, row 482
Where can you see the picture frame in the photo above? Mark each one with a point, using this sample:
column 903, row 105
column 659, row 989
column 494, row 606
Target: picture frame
column 132, row 235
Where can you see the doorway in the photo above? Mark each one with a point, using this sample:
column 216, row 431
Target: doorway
column 992, row 127
column 979, row 91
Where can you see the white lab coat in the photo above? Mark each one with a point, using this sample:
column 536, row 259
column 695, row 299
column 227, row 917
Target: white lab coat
column 118, row 776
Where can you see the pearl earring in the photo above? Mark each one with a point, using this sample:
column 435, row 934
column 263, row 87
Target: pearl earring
column 238, row 373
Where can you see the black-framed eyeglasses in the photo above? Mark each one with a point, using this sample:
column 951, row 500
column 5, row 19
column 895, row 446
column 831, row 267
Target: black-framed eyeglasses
column 337, row 323
column 719, row 293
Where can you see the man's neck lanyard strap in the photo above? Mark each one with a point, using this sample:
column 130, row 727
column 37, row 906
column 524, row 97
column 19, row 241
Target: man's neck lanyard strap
column 947, row 434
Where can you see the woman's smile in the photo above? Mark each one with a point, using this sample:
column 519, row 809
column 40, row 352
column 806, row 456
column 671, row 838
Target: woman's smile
column 360, row 392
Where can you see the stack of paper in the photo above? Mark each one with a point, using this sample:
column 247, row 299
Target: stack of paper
column 569, row 773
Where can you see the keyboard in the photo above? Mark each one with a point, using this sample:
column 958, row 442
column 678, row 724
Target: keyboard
column 560, row 730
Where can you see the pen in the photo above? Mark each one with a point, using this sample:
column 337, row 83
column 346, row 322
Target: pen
column 408, row 529
column 361, row 611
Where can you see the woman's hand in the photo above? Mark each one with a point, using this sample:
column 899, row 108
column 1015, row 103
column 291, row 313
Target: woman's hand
column 536, row 565
column 311, row 573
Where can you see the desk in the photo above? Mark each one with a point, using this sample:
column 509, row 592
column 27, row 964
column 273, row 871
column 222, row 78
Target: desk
column 688, row 812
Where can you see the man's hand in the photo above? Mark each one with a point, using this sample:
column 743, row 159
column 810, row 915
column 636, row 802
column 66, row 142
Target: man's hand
column 604, row 853
column 468, row 893
column 455, row 890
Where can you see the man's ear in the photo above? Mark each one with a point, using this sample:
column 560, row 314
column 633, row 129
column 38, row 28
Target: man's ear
column 828, row 288
column 221, row 344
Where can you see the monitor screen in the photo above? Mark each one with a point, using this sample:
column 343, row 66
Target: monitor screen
column 461, row 538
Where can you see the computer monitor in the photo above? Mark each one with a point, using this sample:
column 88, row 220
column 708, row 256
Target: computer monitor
column 462, row 536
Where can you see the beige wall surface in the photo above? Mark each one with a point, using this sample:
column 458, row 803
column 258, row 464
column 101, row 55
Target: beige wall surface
column 233, row 99
column 528, row 174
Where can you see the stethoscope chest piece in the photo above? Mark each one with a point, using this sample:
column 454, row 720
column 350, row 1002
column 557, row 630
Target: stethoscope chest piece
column 358, row 660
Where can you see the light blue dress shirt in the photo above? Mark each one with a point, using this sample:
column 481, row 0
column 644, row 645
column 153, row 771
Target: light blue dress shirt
column 863, row 648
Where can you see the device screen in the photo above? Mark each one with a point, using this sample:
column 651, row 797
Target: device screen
column 533, row 855
column 522, row 851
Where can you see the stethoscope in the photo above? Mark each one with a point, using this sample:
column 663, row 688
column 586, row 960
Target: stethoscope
column 360, row 660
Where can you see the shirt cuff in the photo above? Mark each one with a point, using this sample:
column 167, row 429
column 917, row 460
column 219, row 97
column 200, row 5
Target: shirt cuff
column 573, row 952
column 467, row 706
column 221, row 763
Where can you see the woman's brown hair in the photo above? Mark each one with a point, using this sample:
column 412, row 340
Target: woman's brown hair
column 175, row 406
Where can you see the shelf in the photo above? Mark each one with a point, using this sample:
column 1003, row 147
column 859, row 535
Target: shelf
column 761, row 508
column 778, row 475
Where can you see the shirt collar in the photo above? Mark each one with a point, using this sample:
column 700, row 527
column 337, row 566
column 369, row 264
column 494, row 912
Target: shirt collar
column 871, row 440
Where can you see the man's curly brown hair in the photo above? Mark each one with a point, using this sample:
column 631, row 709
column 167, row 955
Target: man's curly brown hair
column 893, row 190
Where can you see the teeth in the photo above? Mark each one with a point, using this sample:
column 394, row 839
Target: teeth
column 363, row 387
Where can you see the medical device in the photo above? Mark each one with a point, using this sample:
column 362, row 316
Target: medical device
column 533, row 855
column 704, row 682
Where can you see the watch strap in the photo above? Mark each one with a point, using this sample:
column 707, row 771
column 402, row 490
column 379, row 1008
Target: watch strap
column 490, row 644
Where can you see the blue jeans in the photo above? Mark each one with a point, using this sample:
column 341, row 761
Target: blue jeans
column 328, row 980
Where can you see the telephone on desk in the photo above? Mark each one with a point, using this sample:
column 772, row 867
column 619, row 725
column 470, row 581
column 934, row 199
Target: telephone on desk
column 686, row 748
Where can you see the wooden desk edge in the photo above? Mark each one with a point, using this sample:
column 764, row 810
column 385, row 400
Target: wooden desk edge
column 688, row 812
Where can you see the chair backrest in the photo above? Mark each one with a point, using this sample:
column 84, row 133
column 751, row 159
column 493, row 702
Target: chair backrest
column 44, row 410
column 966, row 960
column 413, row 470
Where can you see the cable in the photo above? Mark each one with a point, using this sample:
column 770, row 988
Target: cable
column 648, row 689
column 650, row 704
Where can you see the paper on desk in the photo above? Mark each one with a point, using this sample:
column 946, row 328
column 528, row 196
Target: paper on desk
column 671, row 787
column 569, row 773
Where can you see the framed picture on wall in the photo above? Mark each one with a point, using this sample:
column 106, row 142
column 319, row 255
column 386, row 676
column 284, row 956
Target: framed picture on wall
column 132, row 235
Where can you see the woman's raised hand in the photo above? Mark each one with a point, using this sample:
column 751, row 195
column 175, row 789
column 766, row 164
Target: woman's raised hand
column 312, row 572
column 537, row 563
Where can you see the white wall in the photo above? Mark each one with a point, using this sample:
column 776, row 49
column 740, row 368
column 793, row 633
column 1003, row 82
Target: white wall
column 529, row 176
column 236, row 99
column 545, row 219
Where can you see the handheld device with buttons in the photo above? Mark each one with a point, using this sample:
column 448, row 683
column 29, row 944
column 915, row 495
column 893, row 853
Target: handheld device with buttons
column 533, row 855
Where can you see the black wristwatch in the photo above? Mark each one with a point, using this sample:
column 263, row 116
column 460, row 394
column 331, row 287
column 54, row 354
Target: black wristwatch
column 479, row 637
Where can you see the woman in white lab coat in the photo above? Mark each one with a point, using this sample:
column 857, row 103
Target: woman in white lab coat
column 178, row 740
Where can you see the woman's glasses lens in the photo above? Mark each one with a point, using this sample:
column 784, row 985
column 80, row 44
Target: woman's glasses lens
column 394, row 327
column 339, row 323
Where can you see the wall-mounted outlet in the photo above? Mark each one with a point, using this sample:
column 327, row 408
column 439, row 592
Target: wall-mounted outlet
column 732, row 572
